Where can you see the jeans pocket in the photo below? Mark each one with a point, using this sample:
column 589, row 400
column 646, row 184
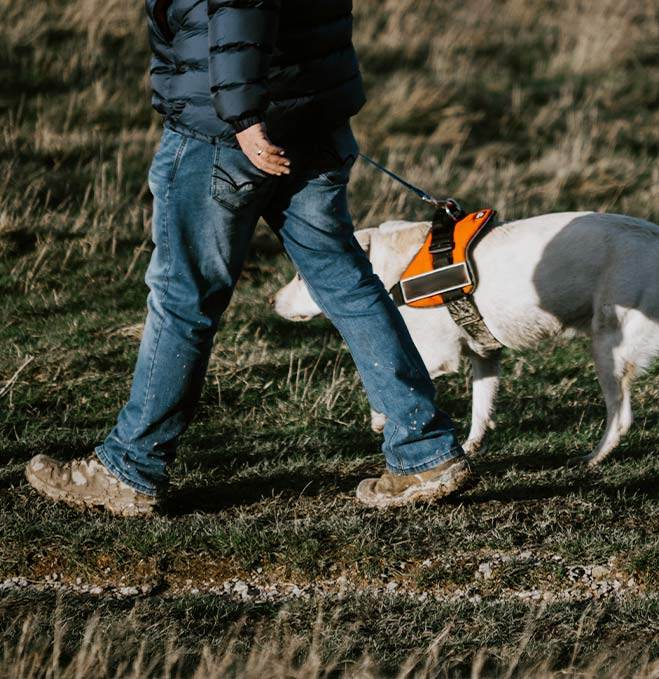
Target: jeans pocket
column 339, row 155
column 235, row 180
column 166, row 161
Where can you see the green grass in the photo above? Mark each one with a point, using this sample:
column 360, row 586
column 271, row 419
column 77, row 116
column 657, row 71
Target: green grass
column 505, row 107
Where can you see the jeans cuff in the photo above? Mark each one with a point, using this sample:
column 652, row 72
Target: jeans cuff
column 440, row 458
column 104, row 457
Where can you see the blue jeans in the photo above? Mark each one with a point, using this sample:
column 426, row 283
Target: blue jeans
column 207, row 200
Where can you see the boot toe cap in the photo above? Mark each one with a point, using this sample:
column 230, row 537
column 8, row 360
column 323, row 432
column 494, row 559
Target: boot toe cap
column 366, row 491
column 38, row 463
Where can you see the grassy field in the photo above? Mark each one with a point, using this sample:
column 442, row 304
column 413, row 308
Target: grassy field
column 264, row 565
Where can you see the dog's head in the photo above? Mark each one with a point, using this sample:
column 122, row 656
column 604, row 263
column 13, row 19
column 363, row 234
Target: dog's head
column 389, row 247
column 294, row 301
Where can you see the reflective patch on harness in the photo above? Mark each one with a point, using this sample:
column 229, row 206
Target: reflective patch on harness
column 446, row 279
column 422, row 285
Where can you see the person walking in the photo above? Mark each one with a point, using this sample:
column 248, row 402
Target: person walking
column 256, row 97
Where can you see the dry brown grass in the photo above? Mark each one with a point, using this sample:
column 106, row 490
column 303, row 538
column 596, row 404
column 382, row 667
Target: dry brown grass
column 288, row 656
column 511, row 103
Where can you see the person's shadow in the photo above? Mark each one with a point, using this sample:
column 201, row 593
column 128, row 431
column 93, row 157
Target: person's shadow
column 313, row 482
column 215, row 498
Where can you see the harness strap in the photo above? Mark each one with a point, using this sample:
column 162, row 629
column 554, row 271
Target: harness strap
column 462, row 307
column 447, row 215
column 396, row 293
column 465, row 313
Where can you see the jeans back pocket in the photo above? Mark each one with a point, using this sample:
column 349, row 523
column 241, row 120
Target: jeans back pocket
column 236, row 181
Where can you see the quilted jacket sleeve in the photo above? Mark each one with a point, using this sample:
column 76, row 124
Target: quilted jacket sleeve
column 242, row 34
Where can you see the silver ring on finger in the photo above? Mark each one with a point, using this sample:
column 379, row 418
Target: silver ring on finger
column 259, row 152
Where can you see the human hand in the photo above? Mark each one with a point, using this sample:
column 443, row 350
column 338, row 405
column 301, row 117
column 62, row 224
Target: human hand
column 262, row 152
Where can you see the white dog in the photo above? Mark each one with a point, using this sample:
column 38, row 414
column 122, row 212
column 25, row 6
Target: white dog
column 554, row 274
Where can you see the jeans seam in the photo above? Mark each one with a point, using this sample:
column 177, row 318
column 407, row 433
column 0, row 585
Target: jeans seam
column 177, row 159
column 392, row 452
column 154, row 348
column 119, row 474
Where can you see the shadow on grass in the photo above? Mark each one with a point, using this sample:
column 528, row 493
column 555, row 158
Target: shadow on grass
column 577, row 479
column 630, row 448
column 291, row 485
column 544, row 414
column 283, row 334
column 215, row 498
column 648, row 487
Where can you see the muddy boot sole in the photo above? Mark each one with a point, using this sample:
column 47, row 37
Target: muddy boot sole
column 450, row 482
column 119, row 508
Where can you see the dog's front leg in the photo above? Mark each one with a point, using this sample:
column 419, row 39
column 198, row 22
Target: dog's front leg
column 485, row 375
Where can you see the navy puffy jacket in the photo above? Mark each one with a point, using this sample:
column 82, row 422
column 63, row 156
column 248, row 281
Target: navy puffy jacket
column 219, row 66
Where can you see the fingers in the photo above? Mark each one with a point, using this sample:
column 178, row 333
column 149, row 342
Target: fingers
column 270, row 158
column 269, row 147
column 265, row 155
column 270, row 163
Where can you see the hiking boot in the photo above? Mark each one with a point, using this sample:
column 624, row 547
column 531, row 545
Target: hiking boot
column 392, row 490
column 86, row 484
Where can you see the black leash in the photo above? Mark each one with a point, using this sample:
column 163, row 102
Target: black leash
column 446, row 209
column 424, row 195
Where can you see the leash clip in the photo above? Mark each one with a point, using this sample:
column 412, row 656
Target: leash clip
column 453, row 209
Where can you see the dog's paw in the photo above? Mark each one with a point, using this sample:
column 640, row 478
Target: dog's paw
column 474, row 447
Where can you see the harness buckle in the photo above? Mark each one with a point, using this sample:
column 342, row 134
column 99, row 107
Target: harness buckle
column 438, row 251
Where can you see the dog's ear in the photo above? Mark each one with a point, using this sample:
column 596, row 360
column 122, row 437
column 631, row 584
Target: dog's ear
column 363, row 237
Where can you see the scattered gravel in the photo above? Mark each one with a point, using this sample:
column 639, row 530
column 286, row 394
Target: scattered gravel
column 586, row 582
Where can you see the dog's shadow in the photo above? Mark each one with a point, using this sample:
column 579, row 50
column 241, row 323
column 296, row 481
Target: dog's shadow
column 576, row 478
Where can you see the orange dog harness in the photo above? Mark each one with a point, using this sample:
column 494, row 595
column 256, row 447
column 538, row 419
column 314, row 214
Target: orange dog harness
column 441, row 273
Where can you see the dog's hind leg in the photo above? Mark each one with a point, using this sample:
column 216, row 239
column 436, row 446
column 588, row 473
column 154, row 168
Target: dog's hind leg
column 615, row 372
column 378, row 421
column 485, row 373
